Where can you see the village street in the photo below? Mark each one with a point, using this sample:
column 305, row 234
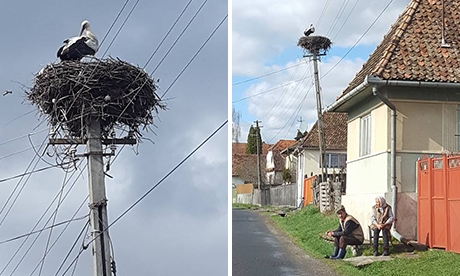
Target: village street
column 260, row 249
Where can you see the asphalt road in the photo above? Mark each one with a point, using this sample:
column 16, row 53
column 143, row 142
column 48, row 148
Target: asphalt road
column 260, row 249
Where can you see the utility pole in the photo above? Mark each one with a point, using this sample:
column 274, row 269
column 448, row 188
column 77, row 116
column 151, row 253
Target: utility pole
column 97, row 195
column 98, row 202
column 321, row 138
column 259, row 173
column 317, row 46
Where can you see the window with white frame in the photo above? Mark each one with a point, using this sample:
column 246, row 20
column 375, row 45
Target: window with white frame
column 336, row 160
column 365, row 136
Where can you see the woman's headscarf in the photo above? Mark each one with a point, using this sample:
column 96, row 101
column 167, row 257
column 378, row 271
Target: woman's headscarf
column 382, row 201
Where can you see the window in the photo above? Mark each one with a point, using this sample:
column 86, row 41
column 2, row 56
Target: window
column 365, row 136
column 335, row 160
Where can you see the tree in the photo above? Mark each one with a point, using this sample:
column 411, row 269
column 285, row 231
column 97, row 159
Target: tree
column 236, row 132
column 253, row 138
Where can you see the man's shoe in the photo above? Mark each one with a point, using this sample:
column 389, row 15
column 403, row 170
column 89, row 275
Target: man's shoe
column 376, row 253
column 340, row 255
column 386, row 252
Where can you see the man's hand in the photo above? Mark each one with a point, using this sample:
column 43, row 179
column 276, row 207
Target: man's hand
column 329, row 233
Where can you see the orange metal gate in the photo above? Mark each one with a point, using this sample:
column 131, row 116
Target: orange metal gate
column 439, row 202
column 307, row 191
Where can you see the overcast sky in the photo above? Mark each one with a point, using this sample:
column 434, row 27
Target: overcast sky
column 181, row 227
column 264, row 38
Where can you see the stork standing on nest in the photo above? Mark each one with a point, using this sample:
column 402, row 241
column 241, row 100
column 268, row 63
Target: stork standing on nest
column 309, row 31
column 75, row 48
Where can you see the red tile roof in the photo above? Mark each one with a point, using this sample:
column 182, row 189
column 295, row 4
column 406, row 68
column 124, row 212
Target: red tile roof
column 412, row 50
column 335, row 132
column 245, row 166
column 240, row 148
column 282, row 145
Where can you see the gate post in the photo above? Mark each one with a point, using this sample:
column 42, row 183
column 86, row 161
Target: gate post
column 446, row 186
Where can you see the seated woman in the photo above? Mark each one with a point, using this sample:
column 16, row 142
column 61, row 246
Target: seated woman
column 381, row 220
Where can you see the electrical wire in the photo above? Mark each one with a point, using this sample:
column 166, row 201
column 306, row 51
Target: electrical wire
column 180, row 35
column 38, row 231
column 113, row 23
column 151, row 189
column 20, row 190
column 269, row 90
column 38, row 222
column 195, row 55
column 72, row 247
column 53, row 222
column 346, row 20
column 23, row 136
column 356, row 43
column 167, row 34
column 122, row 25
column 63, row 230
column 267, row 74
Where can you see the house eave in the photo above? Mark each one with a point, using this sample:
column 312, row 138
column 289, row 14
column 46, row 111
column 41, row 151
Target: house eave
column 364, row 90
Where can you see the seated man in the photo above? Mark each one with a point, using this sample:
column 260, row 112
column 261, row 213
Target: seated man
column 349, row 232
column 381, row 219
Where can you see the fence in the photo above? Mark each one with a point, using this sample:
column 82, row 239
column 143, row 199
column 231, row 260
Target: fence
column 284, row 195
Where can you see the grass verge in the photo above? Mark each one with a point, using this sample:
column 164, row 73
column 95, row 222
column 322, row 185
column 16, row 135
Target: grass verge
column 307, row 225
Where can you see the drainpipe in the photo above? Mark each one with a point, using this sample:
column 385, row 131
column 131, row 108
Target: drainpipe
column 394, row 188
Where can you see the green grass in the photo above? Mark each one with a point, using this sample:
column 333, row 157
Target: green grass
column 307, row 225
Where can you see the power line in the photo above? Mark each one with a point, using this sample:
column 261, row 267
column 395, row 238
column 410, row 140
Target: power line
column 121, row 27
column 167, row 34
column 151, row 189
column 269, row 90
column 39, row 220
column 356, row 43
column 194, row 56
column 180, row 35
column 267, row 74
column 31, row 172
column 46, row 228
column 113, row 23
column 21, row 137
column 63, row 230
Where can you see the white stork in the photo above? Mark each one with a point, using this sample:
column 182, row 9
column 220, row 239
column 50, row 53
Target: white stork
column 309, row 31
column 75, row 48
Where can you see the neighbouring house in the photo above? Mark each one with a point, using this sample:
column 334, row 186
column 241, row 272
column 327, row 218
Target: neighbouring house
column 404, row 103
column 276, row 164
column 308, row 153
column 244, row 166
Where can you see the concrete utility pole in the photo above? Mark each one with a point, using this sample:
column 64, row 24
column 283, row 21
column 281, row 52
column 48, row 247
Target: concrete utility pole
column 321, row 138
column 97, row 197
column 98, row 202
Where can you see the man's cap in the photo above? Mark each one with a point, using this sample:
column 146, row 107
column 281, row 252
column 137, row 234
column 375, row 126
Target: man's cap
column 340, row 209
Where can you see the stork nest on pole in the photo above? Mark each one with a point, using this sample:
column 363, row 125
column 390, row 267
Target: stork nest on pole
column 315, row 44
column 72, row 94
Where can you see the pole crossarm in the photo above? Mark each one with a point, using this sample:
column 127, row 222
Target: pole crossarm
column 106, row 141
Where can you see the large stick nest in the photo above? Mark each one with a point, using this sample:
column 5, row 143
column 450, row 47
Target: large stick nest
column 72, row 94
column 315, row 44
